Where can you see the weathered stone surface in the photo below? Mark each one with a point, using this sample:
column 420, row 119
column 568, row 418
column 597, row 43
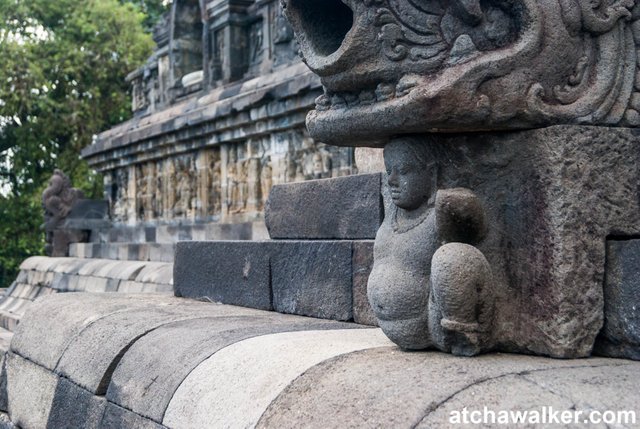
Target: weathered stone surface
column 30, row 390
column 585, row 388
column 91, row 356
column 74, row 407
column 620, row 335
column 341, row 208
column 4, row 402
column 548, row 211
column 230, row 272
column 155, row 366
column 118, row 417
column 429, row 287
column 422, row 389
column 362, row 264
column 369, row 160
column 396, row 67
column 209, row 396
column 45, row 346
column 313, row 279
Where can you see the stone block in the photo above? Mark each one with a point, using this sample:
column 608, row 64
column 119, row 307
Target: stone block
column 61, row 282
column 31, row 263
column 30, row 392
column 161, row 252
column 231, row 272
column 142, row 253
column 74, row 407
column 93, row 266
column 4, row 402
column 112, row 251
column 52, row 323
column 620, row 335
column 264, row 366
column 97, row 285
column 153, row 272
column 342, row 208
column 171, row 352
column 362, row 265
column 91, row 357
column 125, row 270
column 227, row 231
column 118, row 417
column 150, row 234
column 130, row 287
column 162, row 274
column 74, row 251
column 313, row 279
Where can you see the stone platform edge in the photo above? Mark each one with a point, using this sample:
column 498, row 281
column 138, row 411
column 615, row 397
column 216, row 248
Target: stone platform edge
column 148, row 361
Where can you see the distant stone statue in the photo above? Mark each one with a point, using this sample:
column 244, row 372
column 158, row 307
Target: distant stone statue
column 58, row 199
column 430, row 288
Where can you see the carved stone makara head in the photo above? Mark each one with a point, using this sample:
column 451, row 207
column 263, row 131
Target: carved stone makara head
column 411, row 66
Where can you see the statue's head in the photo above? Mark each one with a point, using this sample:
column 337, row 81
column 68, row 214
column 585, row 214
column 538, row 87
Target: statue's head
column 410, row 172
column 414, row 66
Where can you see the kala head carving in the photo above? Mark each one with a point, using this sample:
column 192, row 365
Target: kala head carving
column 412, row 66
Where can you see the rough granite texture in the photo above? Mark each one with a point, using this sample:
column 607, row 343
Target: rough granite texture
column 620, row 336
column 233, row 272
column 331, row 209
column 230, row 366
column 315, row 278
column 552, row 196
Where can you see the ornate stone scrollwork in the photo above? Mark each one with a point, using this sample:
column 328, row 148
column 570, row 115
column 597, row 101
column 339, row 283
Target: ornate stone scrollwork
column 407, row 66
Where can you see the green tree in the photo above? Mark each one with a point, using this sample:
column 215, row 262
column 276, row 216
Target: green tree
column 62, row 70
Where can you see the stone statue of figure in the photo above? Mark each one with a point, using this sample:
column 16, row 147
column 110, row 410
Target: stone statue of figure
column 58, row 199
column 430, row 287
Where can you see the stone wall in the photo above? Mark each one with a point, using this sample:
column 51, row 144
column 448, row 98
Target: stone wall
column 219, row 118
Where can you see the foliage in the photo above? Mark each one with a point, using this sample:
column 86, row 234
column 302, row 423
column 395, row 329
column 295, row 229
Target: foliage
column 152, row 9
column 62, row 80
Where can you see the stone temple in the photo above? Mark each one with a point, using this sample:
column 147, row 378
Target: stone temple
column 219, row 118
column 483, row 268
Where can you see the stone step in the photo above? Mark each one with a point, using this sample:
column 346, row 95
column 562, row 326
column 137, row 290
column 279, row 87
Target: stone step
column 96, row 275
column 254, row 230
column 324, row 279
column 156, row 252
column 164, row 362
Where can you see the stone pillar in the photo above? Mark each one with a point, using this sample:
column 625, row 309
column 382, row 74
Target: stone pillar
column 202, row 187
column 132, row 203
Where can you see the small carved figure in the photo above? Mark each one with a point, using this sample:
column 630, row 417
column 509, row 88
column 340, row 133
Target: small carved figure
column 215, row 203
column 58, row 199
column 266, row 178
column 183, row 191
column 430, row 287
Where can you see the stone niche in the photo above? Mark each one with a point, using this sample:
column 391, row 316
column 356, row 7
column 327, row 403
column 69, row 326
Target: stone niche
column 219, row 118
